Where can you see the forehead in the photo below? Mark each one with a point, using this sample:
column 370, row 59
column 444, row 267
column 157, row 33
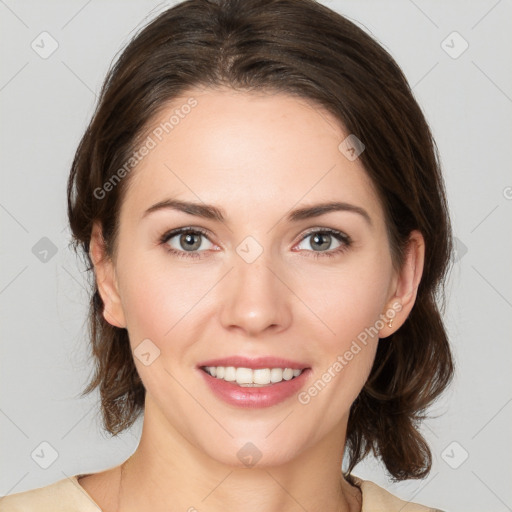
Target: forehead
column 246, row 151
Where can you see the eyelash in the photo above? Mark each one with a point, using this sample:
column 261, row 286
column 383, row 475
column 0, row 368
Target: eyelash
column 345, row 240
column 182, row 254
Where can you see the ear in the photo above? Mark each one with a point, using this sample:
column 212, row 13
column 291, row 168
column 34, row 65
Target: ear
column 106, row 279
column 405, row 285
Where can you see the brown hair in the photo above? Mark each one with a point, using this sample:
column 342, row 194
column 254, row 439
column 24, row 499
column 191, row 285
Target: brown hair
column 302, row 48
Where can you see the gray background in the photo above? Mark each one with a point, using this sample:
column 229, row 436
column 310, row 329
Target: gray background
column 45, row 106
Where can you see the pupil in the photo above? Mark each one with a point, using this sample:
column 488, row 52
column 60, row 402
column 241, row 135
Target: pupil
column 319, row 236
column 188, row 241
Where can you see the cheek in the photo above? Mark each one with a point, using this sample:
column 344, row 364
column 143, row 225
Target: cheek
column 350, row 304
column 349, row 300
column 156, row 296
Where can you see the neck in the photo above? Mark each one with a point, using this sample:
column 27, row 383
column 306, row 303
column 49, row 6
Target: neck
column 168, row 473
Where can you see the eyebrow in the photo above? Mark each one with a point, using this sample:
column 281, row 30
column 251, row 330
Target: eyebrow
column 198, row 209
column 214, row 213
column 316, row 210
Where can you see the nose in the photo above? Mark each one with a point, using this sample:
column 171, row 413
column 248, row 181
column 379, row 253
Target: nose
column 255, row 299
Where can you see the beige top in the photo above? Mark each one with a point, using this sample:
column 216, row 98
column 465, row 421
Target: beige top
column 67, row 495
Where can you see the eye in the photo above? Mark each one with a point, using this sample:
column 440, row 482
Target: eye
column 186, row 242
column 326, row 242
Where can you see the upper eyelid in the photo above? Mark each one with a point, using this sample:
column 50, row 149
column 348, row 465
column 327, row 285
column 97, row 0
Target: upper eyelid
column 325, row 230
column 205, row 232
column 174, row 232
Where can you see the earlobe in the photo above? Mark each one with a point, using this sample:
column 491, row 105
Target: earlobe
column 106, row 281
column 406, row 285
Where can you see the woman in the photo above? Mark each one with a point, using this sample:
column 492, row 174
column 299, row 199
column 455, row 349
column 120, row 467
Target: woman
column 259, row 198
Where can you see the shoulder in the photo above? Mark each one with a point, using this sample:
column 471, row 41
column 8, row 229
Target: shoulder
column 377, row 499
column 65, row 495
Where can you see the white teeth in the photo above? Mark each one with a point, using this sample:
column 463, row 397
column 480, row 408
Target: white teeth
column 247, row 377
column 276, row 375
column 230, row 374
column 288, row 374
column 244, row 376
column 261, row 376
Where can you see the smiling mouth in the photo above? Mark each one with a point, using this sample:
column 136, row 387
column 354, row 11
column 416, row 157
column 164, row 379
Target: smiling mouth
column 248, row 377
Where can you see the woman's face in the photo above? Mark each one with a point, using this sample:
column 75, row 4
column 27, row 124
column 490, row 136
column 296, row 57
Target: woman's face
column 275, row 278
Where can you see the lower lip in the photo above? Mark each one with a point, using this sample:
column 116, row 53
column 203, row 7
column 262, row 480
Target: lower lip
column 255, row 397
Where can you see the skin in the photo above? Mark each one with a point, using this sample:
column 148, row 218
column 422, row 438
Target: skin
column 256, row 156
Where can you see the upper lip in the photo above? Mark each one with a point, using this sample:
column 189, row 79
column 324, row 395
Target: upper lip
column 254, row 363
